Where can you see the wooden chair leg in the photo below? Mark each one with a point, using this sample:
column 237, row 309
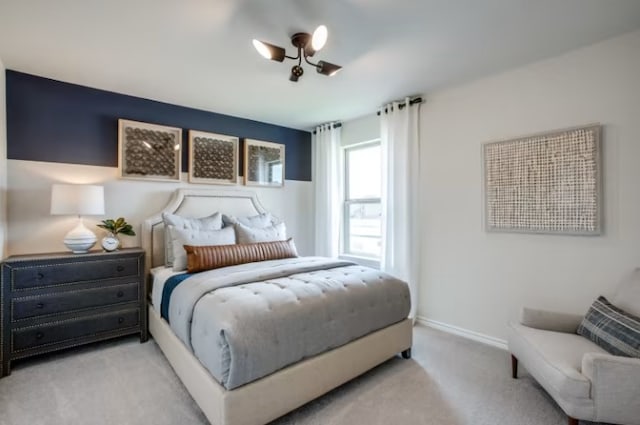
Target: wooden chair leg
column 514, row 367
column 573, row 421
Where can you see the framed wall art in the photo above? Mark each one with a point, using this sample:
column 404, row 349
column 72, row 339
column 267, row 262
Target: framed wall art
column 213, row 158
column 263, row 163
column 149, row 151
column 545, row 183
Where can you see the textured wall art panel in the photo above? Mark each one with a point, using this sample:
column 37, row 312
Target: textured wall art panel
column 149, row 151
column 547, row 183
column 213, row 158
column 264, row 163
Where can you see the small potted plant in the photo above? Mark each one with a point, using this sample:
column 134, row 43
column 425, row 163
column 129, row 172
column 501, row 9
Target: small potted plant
column 115, row 227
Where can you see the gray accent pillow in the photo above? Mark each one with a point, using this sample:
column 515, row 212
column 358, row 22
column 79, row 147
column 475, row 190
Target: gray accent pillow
column 212, row 222
column 195, row 237
column 260, row 221
column 246, row 234
column 612, row 328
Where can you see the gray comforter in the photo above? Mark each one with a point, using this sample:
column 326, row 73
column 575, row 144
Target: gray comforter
column 245, row 322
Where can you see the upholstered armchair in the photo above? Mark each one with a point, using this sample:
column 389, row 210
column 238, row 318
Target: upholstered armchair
column 586, row 381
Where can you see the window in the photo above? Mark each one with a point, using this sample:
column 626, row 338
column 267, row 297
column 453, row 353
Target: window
column 362, row 208
column 275, row 172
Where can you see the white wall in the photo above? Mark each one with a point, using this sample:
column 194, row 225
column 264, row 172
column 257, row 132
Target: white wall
column 478, row 280
column 3, row 164
column 360, row 130
column 32, row 229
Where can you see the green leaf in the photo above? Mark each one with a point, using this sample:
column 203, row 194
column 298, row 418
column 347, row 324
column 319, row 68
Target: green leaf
column 119, row 225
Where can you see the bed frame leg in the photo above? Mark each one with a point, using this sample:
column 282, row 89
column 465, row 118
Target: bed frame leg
column 573, row 421
column 514, row 367
column 406, row 354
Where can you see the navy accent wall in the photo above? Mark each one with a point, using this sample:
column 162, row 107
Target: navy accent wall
column 52, row 121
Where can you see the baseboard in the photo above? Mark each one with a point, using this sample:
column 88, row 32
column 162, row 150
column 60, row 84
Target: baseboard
column 466, row 333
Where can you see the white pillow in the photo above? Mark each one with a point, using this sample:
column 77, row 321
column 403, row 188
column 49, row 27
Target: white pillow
column 212, row 222
column 260, row 221
column 246, row 234
column 181, row 237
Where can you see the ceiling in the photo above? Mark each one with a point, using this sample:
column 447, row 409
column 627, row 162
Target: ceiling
column 198, row 53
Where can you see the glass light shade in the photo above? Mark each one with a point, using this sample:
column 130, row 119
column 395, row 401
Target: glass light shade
column 327, row 68
column 269, row 51
column 77, row 199
column 319, row 38
column 262, row 48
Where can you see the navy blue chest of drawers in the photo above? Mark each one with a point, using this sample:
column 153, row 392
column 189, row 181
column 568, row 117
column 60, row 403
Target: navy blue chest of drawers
column 53, row 301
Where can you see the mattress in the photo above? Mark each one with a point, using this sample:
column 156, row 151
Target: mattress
column 159, row 276
column 245, row 322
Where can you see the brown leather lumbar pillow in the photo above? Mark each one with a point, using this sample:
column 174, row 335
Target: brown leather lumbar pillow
column 201, row 258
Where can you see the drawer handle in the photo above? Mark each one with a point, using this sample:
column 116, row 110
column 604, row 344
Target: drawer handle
column 40, row 276
column 120, row 294
column 39, row 335
column 120, row 268
column 40, row 305
column 120, row 319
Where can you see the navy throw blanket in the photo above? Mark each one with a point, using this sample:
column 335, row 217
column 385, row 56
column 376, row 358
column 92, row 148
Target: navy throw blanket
column 171, row 284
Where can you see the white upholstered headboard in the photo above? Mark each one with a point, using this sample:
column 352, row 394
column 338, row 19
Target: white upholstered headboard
column 194, row 203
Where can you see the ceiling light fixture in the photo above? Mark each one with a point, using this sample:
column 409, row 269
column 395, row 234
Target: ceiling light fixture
column 307, row 46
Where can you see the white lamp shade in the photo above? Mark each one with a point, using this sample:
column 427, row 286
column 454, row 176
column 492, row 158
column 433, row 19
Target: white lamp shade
column 77, row 199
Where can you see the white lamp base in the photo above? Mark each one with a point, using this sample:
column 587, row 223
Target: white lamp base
column 80, row 239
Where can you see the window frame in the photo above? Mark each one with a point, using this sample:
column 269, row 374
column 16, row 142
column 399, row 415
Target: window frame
column 348, row 201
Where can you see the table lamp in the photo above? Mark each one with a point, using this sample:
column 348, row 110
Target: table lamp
column 78, row 199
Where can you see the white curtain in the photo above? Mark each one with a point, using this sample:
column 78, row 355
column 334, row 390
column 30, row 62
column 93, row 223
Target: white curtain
column 327, row 172
column 399, row 140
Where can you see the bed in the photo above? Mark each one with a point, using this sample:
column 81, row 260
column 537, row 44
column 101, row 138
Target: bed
column 236, row 399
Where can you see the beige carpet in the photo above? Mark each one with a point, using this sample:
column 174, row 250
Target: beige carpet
column 449, row 381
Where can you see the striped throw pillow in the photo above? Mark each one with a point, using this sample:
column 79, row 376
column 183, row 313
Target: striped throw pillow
column 611, row 328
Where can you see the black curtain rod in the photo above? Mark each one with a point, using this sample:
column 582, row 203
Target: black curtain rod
column 402, row 105
column 336, row 125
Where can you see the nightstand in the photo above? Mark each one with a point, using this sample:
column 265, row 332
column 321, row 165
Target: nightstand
column 53, row 301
